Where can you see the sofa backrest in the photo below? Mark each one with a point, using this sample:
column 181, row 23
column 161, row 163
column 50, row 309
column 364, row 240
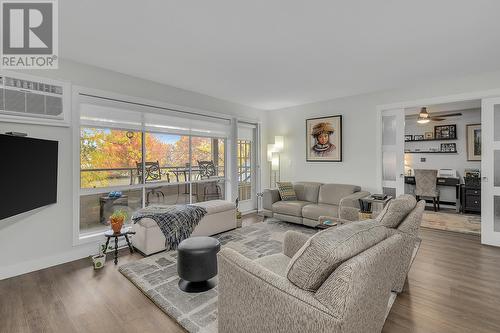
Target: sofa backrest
column 328, row 249
column 307, row 191
column 332, row 193
column 411, row 223
column 362, row 285
column 396, row 211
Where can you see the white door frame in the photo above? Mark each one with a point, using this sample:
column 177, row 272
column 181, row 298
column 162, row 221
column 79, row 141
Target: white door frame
column 480, row 95
column 419, row 102
column 488, row 189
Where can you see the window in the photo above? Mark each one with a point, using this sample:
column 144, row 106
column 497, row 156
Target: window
column 130, row 160
column 109, row 157
column 244, row 169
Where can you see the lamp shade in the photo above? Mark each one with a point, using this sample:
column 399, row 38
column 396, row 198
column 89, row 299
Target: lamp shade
column 279, row 143
column 270, row 150
column 275, row 162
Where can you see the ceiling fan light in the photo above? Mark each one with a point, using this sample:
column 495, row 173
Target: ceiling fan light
column 423, row 120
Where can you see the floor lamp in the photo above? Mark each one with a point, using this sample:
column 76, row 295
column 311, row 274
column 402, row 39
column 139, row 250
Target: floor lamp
column 273, row 156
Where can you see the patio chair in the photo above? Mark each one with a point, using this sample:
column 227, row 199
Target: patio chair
column 153, row 173
column 211, row 190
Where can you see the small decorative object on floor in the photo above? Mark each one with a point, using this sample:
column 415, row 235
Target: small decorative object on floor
column 238, row 214
column 117, row 220
column 99, row 259
column 122, row 233
column 197, row 264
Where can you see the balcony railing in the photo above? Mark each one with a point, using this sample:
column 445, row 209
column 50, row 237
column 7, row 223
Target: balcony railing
column 132, row 176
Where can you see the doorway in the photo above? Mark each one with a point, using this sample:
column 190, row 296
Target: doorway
column 465, row 168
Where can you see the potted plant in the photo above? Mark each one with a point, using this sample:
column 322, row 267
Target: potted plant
column 99, row 259
column 117, row 219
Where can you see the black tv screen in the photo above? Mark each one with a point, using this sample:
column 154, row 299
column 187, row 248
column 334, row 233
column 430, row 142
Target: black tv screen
column 28, row 168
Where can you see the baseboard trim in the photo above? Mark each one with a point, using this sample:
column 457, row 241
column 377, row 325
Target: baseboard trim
column 49, row 261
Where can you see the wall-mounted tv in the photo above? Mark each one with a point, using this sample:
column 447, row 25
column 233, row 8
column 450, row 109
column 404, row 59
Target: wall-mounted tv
column 28, row 171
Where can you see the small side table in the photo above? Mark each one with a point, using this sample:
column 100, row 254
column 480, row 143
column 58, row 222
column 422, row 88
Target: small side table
column 110, row 233
column 381, row 204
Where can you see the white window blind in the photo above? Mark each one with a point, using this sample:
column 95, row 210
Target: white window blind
column 245, row 131
column 95, row 112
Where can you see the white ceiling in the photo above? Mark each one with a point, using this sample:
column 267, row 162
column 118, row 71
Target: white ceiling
column 276, row 53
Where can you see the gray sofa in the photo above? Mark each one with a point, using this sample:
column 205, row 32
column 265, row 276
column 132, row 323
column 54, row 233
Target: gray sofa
column 313, row 200
column 339, row 280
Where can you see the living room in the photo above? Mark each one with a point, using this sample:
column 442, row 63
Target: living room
column 197, row 112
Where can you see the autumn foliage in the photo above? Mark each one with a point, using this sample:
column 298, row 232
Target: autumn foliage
column 121, row 151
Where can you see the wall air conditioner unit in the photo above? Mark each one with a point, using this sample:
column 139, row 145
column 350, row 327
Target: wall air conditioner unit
column 34, row 100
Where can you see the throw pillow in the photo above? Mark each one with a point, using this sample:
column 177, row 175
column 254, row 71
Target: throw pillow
column 287, row 193
column 396, row 210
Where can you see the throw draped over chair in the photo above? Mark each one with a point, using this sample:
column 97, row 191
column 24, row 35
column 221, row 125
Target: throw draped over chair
column 152, row 172
column 425, row 183
column 211, row 190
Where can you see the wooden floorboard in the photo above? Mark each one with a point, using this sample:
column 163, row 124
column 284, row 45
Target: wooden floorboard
column 453, row 286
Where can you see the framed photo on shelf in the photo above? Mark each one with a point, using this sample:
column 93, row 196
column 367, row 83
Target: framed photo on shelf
column 409, row 137
column 429, row 135
column 473, row 142
column 445, row 132
column 324, row 139
column 418, row 137
column 448, row 147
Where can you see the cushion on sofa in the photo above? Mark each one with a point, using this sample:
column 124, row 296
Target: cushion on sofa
column 328, row 249
column 307, row 191
column 333, row 193
column 287, row 193
column 314, row 211
column 289, row 207
column 396, row 210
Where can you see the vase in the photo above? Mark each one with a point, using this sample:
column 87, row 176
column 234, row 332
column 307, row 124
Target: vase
column 117, row 226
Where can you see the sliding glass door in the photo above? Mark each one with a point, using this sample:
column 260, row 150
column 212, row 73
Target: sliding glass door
column 247, row 166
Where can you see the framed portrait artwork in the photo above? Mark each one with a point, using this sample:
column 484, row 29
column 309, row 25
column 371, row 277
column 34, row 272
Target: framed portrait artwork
column 324, row 139
column 474, row 142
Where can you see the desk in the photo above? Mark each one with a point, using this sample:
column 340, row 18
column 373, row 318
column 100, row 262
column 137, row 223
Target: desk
column 443, row 181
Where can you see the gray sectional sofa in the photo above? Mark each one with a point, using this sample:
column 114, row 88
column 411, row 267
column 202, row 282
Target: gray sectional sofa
column 313, row 200
column 339, row 280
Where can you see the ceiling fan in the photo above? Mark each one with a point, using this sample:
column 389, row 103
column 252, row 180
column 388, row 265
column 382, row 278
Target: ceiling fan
column 424, row 117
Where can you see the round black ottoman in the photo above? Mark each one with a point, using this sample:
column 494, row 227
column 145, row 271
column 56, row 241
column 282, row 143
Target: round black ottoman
column 197, row 264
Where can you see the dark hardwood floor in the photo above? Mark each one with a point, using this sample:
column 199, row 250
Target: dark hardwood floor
column 453, row 286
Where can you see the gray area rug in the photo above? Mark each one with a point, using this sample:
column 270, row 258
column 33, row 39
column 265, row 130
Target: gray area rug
column 156, row 276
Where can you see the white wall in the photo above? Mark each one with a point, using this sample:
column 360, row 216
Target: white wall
column 359, row 130
column 43, row 237
column 442, row 161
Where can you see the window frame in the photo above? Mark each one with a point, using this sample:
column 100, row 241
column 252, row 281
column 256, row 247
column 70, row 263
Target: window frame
column 77, row 94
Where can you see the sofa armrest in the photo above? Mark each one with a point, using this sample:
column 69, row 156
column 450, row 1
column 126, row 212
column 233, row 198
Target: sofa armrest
column 269, row 197
column 352, row 199
column 271, row 303
column 293, row 242
column 349, row 213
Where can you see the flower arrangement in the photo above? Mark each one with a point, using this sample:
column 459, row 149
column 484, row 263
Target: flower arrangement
column 117, row 219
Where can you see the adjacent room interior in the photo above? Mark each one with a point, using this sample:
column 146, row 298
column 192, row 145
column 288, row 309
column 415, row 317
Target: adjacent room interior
column 443, row 140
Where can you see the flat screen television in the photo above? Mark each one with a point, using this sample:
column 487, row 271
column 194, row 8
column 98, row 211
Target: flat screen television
column 28, row 169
